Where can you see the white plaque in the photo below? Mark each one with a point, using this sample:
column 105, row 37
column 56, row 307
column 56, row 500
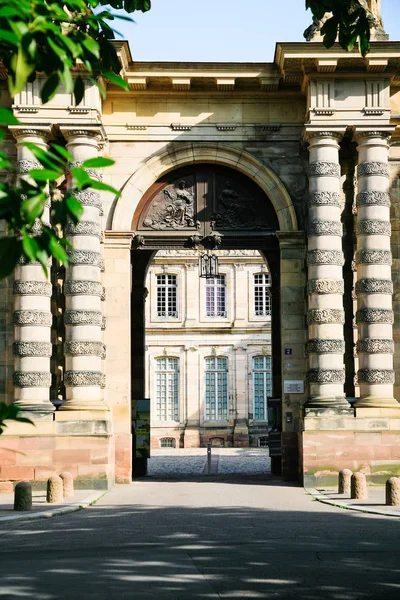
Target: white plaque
column 293, row 386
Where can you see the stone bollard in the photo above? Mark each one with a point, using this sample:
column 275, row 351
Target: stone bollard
column 68, row 484
column 345, row 481
column 359, row 490
column 393, row 491
column 55, row 494
column 23, row 496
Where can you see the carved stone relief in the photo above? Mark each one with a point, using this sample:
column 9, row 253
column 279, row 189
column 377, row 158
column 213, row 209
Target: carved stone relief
column 43, row 349
column 76, row 287
column 32, row 317
column 373, row 257
column 31, row 379
column 174, row 207
column 85, row 257
column 325, row 315
column 85, row 349
column 326, row 376
column 78, row 378
column 324, row 169
column 375, row 346
column 319, row 346
column 320, row 227
column 374, row 286
column 325, row 257
column 374, row 315
column 32, row 288
column 324, row 199
column 325, row 286
column 83, row 228
column 83, row 317
column 373, row 227
column 89, row 198
column 376, row 376
column 373, row 168
column 373, row 198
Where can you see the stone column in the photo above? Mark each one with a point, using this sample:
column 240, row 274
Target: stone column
column 32, row 310
column 325, row 317
column 374, row 286
column 83, row 290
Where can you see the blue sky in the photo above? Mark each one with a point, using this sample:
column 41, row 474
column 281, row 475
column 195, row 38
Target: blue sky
column 221, row 30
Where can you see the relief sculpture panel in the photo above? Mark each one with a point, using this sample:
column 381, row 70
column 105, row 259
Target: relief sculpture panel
column 174, row 207
column 237, row 207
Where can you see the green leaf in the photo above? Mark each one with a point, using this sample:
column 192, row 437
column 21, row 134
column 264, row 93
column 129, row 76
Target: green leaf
column 7, row 117
column 63, row 152
column 50, row 88
column 329, row 31
column 32, row 208
column 74, row 207
column 97, row 163
column 46, row 157
column 80, row 176
column 57, row 250
column 10, row 251
column 21, row 69
column 92, row 46
column 9, row 36
column 116, row 79
column 79, row 90
column 29, row 245
column 42, row 256
column 45, row 174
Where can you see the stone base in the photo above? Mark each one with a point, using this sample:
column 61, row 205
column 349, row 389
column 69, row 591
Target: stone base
column 370, row 445
column 35, row 453
column 192, row 438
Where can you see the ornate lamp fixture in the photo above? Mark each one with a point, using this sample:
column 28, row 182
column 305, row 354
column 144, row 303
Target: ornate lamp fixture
column 208, row 263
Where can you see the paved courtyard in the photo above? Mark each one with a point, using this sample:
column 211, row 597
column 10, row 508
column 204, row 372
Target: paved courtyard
column 169, row 463
column 230, row 538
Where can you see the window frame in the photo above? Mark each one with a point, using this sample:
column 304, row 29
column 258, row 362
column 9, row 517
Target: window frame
column 223, row 415
column 267, row 384
column 216, row 314
column 166, row 286
column 176, row 386
column 266, row 296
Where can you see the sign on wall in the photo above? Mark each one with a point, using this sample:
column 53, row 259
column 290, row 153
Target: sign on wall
column 142, row 428
column 293, row 386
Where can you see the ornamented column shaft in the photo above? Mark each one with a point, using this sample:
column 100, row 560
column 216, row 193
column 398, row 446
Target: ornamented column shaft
column 32, row 317
column 374, row 286
column 83, row 290
column 325, row 346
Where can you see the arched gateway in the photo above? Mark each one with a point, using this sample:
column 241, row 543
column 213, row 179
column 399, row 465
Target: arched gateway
column 289, row 157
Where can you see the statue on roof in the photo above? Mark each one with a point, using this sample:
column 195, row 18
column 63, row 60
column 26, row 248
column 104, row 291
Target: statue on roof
column 313, row 32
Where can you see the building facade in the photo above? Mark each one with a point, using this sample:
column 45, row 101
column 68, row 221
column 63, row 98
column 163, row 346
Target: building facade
column 208, row 350
column 298, row 159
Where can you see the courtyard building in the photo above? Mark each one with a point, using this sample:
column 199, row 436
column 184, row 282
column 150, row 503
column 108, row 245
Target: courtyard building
column 294, row 161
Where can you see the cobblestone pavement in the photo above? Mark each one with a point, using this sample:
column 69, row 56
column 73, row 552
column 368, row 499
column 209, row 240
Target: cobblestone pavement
column 176, row 462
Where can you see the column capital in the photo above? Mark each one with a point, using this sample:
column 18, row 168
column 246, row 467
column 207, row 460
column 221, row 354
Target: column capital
column 21, row 132
column 97, row 132
column 379, row 135
column 323, row 133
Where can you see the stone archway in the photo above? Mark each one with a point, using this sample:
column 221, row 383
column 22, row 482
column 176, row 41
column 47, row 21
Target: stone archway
column 176, row 156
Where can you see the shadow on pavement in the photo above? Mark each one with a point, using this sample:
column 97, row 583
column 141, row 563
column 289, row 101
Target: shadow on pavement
column 145, row 550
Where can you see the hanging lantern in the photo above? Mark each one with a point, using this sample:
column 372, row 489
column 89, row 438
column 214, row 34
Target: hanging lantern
column 208, row 265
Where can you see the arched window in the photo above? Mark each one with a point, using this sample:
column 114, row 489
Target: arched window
column 216, row 404
column 167, row 303
column 167, row 442
column 167, row 392
column 216, row 296
column 262, row 386
column 262, row 295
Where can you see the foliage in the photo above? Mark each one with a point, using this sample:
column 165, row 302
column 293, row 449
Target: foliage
column 11, row 412
column 59, row 41
column 350, row 22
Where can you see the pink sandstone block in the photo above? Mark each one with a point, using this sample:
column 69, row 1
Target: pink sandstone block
column 17, row 473
column 71, row 456
column 6, row 487
column 8, row 457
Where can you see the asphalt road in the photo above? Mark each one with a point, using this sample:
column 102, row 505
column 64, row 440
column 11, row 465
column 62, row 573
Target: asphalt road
column 211, row 538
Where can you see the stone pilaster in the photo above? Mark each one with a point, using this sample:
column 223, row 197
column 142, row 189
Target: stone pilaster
column 32, row 317
column 325, row 287
column 83, row 289
column 374, row 286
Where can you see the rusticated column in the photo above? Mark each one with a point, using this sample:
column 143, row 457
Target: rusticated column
column 83, row 289
column 374, row 286
column 32, row 311
column 325, row 317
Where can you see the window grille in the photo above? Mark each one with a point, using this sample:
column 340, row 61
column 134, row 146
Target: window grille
column 262, row 382
column 263, row 442
column 167, row 304
column 216, row 296
column 167, row 443
column 216, row 404
column 262, row 295
column 167, row 389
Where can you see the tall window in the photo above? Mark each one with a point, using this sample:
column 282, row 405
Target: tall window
column 262, row 383
column 216, row 406
column 167, row 305
column 167, row 392
column 215, row 296
column 262, row 295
